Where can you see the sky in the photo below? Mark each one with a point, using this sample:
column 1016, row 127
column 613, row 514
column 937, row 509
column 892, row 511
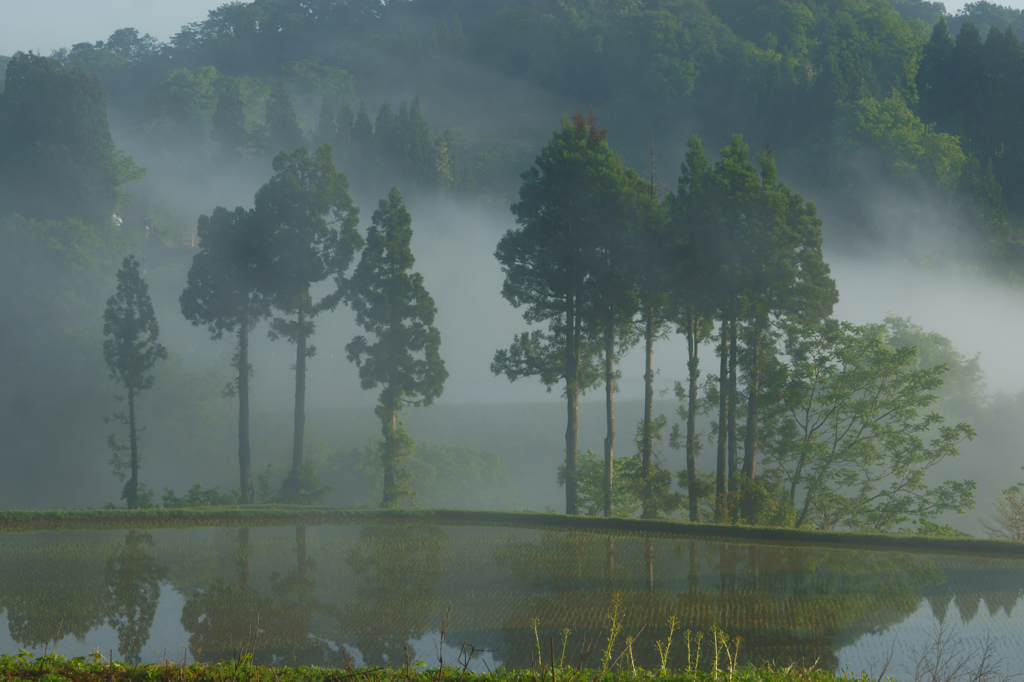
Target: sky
column 45, row 25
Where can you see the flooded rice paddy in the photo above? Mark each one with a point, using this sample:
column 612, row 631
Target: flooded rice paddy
column 381, row 594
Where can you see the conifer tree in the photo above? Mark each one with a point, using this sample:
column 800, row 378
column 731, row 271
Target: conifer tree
column 130, row 349
column 307, row 207
column 547, row 264
column 229, row 117
column 392, row 304
column 282, row 123
column 224, row 293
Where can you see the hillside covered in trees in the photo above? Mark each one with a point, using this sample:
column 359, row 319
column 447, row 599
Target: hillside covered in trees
column 898, row 121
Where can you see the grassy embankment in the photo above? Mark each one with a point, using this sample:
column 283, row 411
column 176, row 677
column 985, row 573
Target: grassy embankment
column 56, row 668
column 280, row 515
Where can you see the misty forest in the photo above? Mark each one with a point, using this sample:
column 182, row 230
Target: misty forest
column 656, row 258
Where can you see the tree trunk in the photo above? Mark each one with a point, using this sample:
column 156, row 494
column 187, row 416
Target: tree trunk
column 753, row 407
column 692, row 330
column 646, row 442
column 244, row 452
column 132, row 489
column 722, row 478
column 609, row 398
column 733, row 409
column 572, row 399
column 292, row 487
column 389, row 458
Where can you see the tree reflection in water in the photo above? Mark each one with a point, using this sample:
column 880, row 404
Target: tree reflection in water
column 52, row 586
column 377, row 587
column 223, row 619
column 786, row 603
column 132, row 579
column 399, row 566
column 229, row 620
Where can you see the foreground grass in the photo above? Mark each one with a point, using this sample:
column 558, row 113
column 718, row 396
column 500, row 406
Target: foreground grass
column 283, row 515
column 56, row 668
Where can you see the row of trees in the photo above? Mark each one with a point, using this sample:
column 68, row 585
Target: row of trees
column 264, row 263
column 603, row 263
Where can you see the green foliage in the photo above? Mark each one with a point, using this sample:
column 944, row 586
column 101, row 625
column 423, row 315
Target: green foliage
column 907, row 146
column 197, row 496
column 626, row 493
column 282, row 123
column 183, row 102
column 857, row 440
column 962, row 393
column 315, row 80
column 228, row 119
column 276, row 487
column 657, row 482
column 758, row 502
column 441, row 477
column 57, row 159
column 1007, row 521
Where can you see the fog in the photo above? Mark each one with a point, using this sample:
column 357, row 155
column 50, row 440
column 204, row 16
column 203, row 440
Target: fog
column 900, row 253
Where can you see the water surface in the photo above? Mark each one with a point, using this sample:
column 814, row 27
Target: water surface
column 381, row 594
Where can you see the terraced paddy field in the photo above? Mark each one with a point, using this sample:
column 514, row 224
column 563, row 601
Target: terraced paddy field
column 398, row 592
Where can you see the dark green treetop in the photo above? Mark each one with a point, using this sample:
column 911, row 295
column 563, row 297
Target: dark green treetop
column 224, row 282
column 307, row 205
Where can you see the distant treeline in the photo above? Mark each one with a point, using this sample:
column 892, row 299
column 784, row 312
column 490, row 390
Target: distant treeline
column 831, row 86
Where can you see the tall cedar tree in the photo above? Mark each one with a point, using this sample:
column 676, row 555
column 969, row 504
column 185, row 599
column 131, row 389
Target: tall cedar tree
column 694, row 255
column 308, row 210
column 392, row 304
column 779, row 271
column 224, row 293
column 131, row 349
column 616, row 240
column 649, row 267
column 282, row 123
column 546, row 264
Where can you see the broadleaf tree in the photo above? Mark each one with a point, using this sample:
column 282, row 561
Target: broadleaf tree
column 307, row 208
column 131, row 349
column 404, row 357
column 857, row 437
column 224, row 293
